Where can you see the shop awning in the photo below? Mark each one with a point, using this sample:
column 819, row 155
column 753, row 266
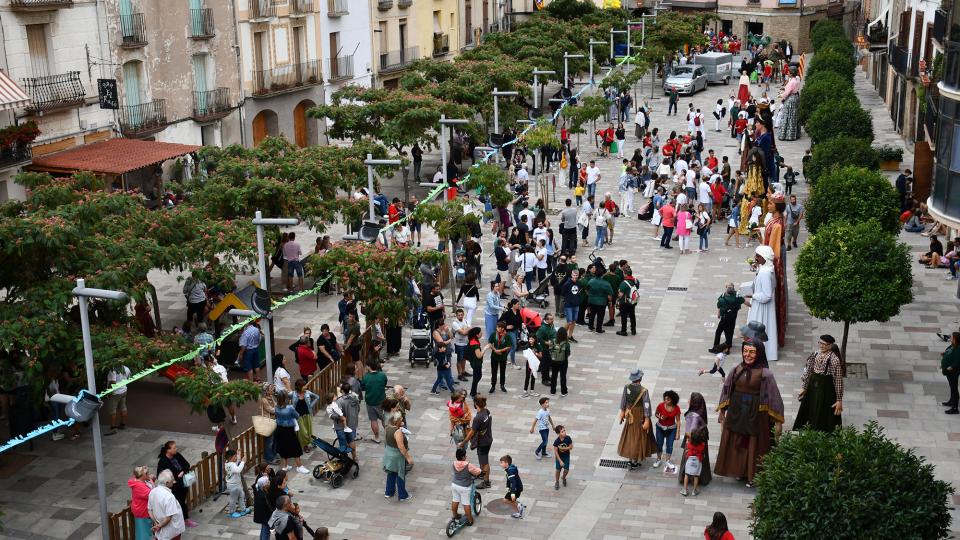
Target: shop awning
column 11, row 95
column 113, row 156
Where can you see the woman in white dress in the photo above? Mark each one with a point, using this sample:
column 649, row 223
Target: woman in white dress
column 762, row 298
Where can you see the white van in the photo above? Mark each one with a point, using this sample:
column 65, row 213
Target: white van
column 719, row 66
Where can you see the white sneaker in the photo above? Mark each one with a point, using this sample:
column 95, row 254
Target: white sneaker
column 517, row 366
column 302, row 470
column 525, row 394
column 287, row 468
column 347, row 430
column 535, row 394
column 657, row 463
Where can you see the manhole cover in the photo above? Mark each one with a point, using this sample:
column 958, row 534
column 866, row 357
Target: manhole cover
column 856, row 370
column 676, row 288
column 498, row 506
column 615, row 463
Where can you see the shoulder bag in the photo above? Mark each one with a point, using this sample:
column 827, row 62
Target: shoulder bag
column 263, row 424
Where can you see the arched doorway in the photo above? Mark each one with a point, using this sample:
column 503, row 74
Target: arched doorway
column 305, row 131
column 265, row 124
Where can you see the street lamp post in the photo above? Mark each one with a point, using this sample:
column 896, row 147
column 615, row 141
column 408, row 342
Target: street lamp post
column 536, row 82
column 444, row 121
column 371, row 163
column 262, row 222
column 566, row 66
column 496, row 105
column 592, row 43
column 83, row 293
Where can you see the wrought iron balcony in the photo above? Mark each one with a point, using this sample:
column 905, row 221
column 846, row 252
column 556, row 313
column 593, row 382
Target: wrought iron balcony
column 39, row 5
column 404, row 3
column 441, row 44
column 931, row 116
column 54, row 91
column 898, row 58
column 201, row 23
column 15, row 154
column 399, row 59
column 262, row 9
column 143, row 119
column 384, row 5
column 340, row 68
column 133, row 31
column 300, row 8
column 337, row 8
column 280, row 79
column 211, row 104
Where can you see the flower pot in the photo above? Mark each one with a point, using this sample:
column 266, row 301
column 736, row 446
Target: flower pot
column 890, row 165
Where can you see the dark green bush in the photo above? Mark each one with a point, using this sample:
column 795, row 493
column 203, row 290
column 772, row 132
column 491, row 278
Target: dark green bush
column 853, row 194
column 841, row 45
column 840, row 152
column 823, row 31
column 838, row 117
column 848, row 485
column 820, row 88
column 831, row 60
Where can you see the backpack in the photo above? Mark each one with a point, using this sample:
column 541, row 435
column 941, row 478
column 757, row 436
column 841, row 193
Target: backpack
column 633, row 293
column 696, row 120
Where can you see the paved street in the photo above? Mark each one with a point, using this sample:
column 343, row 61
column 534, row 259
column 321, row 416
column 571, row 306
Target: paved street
column 49, row 492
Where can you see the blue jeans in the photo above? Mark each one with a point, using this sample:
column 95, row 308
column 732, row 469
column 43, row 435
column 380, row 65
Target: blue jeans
column 396, row 484
column 460, row 350
column 513, row 347
column 542, row 449
column 667, row 236
column 705, row 240
column 601, row 236
column 571, row 313
column 528, row 279
column 445, row 376
column 592, row 189
column 344, row 439
column 665, row 434
column 691, row 195
column 265, row 532
column 490, row 324
column 269, row 454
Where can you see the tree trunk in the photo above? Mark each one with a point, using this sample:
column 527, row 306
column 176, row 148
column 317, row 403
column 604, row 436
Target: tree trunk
column 843, row 348
column 156, row 306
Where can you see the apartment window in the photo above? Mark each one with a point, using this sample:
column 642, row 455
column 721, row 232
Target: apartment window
column 201, row 77
column 39, row 52
column 133, row 90
column 260, row 52
column 299, row 45
column 384, row 37
column 436, row 23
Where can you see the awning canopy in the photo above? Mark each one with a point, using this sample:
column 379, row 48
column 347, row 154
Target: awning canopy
column 113, row 156
column 11, row 95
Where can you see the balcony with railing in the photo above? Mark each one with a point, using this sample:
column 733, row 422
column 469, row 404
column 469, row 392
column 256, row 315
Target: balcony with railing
column 211, row 105
column 201, row 23
column 39, row 5
column 404, row 3
column 384, row 5
column 931, row 115
column 338, row 8
column 398, row 59
column 301, row 8
column 280, row 79
column 340, row 68
column 441, row 44
column 15, row 154
column 143, row 119
column 898, row 58
column 133, row 31
column 262, row 9
column 877, row 35
column 54, row 92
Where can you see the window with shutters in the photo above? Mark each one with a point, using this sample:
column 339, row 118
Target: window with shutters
column 39, row 52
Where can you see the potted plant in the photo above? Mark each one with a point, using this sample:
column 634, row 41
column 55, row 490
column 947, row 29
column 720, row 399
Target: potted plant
column 890, row 157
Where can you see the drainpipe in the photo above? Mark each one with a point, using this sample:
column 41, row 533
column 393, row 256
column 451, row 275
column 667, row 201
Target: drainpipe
column 240, row 97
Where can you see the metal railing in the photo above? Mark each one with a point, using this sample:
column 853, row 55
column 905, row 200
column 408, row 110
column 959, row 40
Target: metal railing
column 931, row 116
column 122, row 524
column 262, row 9
column 399, row 59
column 143, row 118
column 201, row 23
column 133, row 31
column 336, row 8
column 301, row 7
column 54, row 91
column 14, row 154
column 384, row 5
column 340, row 67
column 278, row 79
column 441, row 44
column 39, row 5
column 211, row 104
column 898, row 58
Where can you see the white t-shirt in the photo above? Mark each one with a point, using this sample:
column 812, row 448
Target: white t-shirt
column 530, row 215
column 680, row 165
column 527, row 261
column 438, row 177
column 601, row 216
column 278, row 376
column 542, row 252
column 118, row 375
column 705, row 195
column 161, row 503
column 523, row 175
column 593, row 174
column 682, row 200
column 690, row 177
column 456, row 326
column 540, row 233
column 663, row 169
column 401, row 234
column 221, row 371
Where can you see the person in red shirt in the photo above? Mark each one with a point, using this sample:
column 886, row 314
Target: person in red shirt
column 668, row 215
column 712, row 162
column 696, row 446
column 717, row 191
column 718, row 528
column 668, row 422
column 394, row 210
column 306, row 357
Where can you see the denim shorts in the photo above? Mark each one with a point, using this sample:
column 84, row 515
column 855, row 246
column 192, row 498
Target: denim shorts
column 251, row 359
column 295, row 267
column 571, row 312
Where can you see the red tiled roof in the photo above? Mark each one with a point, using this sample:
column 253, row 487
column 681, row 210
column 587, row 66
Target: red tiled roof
column 113, row 156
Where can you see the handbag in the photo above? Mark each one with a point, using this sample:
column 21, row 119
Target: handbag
column 459, row 433
column 189, row 479
column 689, row 224
column 263, row 425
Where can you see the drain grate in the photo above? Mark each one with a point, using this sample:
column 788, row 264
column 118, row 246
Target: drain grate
column 856, row 370
column 676, row 288
column 615, row 463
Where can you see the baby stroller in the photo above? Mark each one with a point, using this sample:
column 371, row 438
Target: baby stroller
column 539, row 295
column 421, row 341
column 335, row 469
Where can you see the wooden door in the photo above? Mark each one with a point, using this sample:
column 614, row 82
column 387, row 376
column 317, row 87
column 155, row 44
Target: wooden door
column 300, row 125
column 259, row 128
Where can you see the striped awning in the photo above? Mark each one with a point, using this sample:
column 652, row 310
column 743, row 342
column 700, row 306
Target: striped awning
column 11, row 95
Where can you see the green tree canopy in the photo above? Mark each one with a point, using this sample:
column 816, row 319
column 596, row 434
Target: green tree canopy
column 839, row 117
column 854, row 484
column 854, row 195
column 840, row 152
column 570, row 10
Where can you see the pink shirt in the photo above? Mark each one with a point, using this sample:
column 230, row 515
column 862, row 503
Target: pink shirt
column 682, row 218
column 292, row 251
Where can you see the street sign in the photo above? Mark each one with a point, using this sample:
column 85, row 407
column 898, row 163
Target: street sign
column 107, row 89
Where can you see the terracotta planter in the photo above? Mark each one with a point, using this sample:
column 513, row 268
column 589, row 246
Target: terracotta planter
column 889, row 165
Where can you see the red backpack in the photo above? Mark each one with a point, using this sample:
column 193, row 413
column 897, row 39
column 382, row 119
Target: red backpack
column 696, row 120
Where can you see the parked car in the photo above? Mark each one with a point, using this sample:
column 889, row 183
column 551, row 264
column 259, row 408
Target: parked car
column 688, row 79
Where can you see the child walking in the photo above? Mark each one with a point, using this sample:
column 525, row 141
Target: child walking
column 543, row 422
column 530, row 379
column 718, row 362
column 668, row 414
column 561, row 452
column 236, row 506
column 514, row 487
column 694, row 465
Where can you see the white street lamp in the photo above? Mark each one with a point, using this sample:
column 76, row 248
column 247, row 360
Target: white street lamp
column 262, row 222
column 566, row 66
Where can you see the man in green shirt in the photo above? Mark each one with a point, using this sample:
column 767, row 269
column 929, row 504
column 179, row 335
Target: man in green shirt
column 500, row 344
column 547, row 334
column 614, row 279
column 599, row 296
column 374, row 385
